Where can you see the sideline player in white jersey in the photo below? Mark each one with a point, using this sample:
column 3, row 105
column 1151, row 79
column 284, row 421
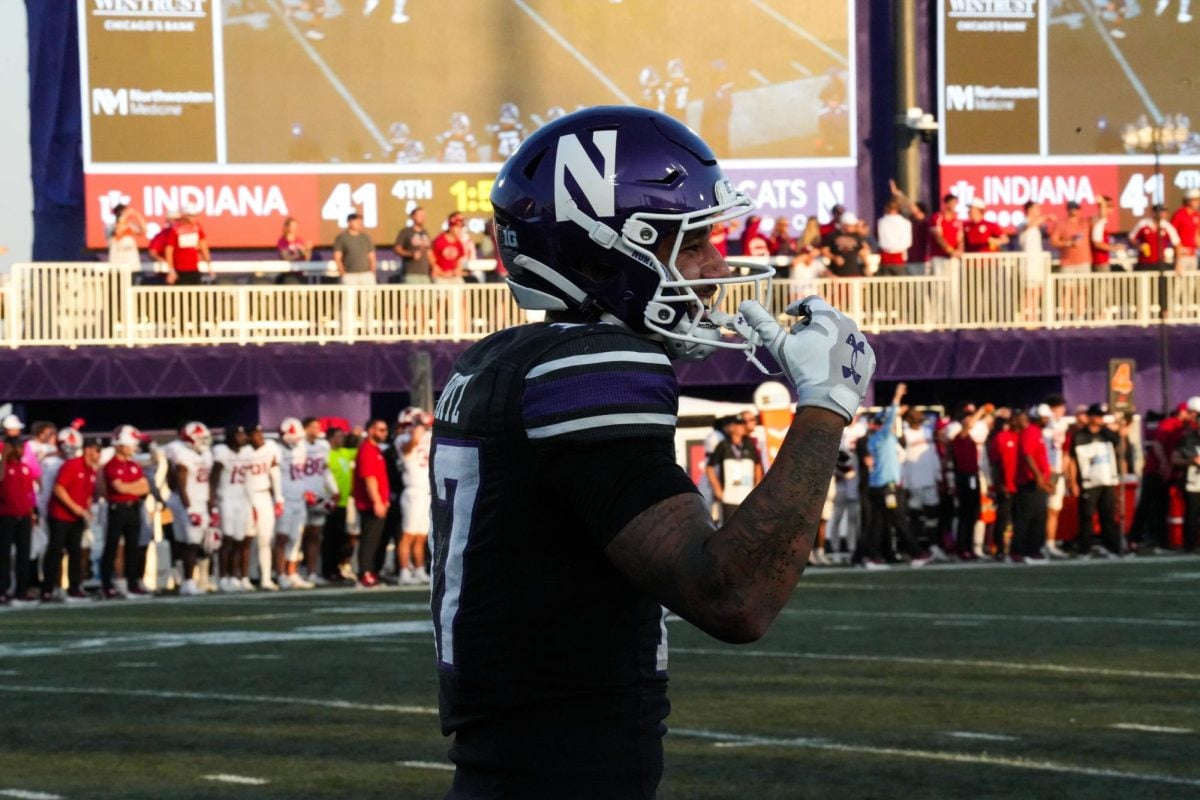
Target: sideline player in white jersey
column 190, row 460
column 320, row 495
column 232, row 507
column 266, row 502
column 289, row 528
column 412, row 450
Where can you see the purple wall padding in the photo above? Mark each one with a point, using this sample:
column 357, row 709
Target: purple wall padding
column 344, row 377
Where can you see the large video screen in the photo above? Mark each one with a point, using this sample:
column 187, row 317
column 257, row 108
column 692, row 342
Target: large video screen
column 1068, row 100
column 256, row 110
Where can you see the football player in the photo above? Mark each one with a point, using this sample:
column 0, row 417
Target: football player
column 190, row 461
column 265, row 493
column 231, row 506
column 458, row 142
column 70, row 443
column 562, row 524
column 320, row 495
column 509, row 131
column 293, row 460
column 412, row 453
column 654, row 94
column 677, row 88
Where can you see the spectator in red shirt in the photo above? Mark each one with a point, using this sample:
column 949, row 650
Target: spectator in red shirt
column 371, row 492
column 781, row 243
column 1187, row 223
column 158, row 244
column 835, row 215
column 186, row 248
column 719, row 236
column 69, row 511
column 125, row 487
column 981, row 235
column 1033, row 486
column 1155, row 238
column 16, row 518
column 1002, row 454
column 945, row 236
column 754, row 242
column 449, row 252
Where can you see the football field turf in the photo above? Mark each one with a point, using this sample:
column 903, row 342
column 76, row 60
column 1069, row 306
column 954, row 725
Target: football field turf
column 1076, row 680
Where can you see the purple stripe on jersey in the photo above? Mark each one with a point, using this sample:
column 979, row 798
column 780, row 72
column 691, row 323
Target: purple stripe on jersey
column 579, row 393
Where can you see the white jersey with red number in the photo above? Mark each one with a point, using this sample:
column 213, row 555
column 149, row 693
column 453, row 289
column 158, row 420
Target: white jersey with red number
column 258, row 467
column 414, row 463
column 317, row 477
column 198, row 466
column 231, row 487
column 292, row 461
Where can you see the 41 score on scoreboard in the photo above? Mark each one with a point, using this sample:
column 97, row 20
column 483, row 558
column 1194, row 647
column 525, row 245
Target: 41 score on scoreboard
column 459, row 194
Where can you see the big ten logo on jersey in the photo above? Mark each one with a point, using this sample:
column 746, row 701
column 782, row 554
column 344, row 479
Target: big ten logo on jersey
column 450, row 403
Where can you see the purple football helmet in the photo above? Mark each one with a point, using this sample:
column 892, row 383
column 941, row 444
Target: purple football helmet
column 586, row 202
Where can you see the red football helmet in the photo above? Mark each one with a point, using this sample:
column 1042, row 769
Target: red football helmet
column 70, row 442
column 291, row 431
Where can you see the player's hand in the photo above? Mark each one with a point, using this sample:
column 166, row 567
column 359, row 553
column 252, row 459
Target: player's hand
column 310, row 498
column 194, row 519
column 172, row 277
column 380, row 509
column 825, row 355
column 278, row 510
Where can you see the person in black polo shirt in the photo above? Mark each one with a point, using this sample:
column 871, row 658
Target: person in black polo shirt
column 1093, row 476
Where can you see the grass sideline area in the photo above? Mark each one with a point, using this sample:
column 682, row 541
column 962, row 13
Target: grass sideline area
column 1072, row 680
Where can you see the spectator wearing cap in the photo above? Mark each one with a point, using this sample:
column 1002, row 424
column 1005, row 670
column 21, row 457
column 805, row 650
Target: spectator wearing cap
column 1156, row 240
column 1186, row 221
column 158, row 244
column 125, row 488
column 1073, row 239
column 16, row 518
column 889, row 501
column 735, row 466
column 1187, row 455
column 185, row 249
column 1034, row 485
column 845, row 249
column 68, row 513
column 982, row 235
column 945, row 236
column 449, row 252
column 895, row 235
column 354, row 254
column 1093, row 474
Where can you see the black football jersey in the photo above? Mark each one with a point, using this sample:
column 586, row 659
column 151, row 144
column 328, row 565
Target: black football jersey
column 528, row 438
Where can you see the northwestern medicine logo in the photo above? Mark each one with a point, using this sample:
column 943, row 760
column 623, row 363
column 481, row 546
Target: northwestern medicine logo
column 987, row 98
column 108, row 102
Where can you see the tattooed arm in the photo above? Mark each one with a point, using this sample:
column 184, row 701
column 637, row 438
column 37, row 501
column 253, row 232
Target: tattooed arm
column 732, row 581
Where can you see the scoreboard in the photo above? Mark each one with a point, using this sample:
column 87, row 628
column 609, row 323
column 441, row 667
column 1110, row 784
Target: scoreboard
column 1059, row 101
column 253, row 111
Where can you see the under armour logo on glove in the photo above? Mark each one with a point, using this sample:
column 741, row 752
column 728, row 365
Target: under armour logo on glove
column 858, row 347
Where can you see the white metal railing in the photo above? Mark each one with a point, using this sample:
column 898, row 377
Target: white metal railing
column 79, row 304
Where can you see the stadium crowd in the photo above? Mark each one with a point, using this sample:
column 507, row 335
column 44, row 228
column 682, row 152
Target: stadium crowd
column 915, row 486
column 319, row 502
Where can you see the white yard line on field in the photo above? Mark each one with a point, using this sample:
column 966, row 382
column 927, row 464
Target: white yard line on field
column 1002, row 666
column 1135, row 726
column 244, row 780
column 25, row 794
column 164, row 694
column 426, row 765
column 934, row 755
column 983, row 737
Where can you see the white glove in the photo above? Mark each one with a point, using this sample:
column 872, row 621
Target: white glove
column 825, row 356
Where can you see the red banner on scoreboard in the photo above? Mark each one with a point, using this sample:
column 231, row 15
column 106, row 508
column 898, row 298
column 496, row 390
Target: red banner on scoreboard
column 235, row 210
column 1006, row 188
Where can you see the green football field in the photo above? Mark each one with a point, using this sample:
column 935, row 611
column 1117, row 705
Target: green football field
column 1077, row 680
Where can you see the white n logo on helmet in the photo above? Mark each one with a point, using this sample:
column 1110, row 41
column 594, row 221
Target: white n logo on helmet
column 598, row 187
